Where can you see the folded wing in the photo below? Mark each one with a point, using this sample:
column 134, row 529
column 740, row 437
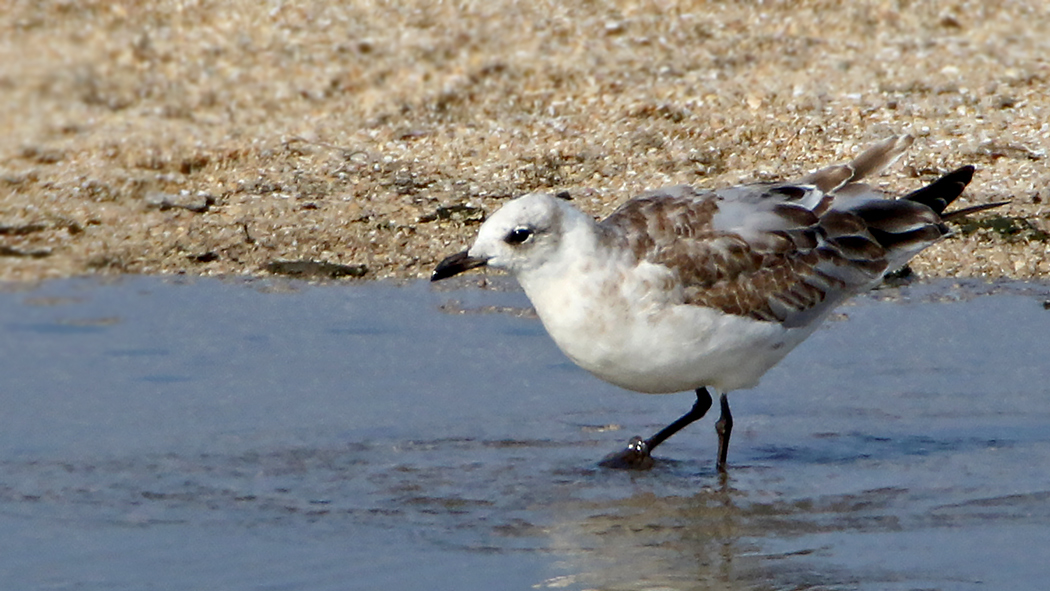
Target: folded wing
column 786, row 252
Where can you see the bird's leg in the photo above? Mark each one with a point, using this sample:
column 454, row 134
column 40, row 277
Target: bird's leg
column 700, row 408
column 637, row 455
column 724, row 428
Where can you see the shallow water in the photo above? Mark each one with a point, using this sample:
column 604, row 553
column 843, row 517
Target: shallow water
column 159, row 434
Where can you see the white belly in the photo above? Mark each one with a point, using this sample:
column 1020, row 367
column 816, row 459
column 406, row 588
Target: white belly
column 686, row 348
column 641, row 342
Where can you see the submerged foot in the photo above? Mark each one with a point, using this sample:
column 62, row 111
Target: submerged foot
column 634, row 457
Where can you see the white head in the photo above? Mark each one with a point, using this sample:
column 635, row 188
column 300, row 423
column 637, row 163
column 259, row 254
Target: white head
column 523, row 235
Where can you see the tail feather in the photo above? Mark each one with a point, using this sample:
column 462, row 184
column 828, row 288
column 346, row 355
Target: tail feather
column 869, row 162
column 900, row 227
column 879, row 157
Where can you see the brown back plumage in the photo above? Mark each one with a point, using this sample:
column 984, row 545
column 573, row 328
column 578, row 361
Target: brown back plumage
column 787, row 252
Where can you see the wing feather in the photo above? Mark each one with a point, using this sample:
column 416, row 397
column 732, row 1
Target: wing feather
column 785, row 252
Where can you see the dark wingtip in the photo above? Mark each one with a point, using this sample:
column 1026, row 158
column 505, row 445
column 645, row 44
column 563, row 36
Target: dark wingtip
column 456, row 264
column 963, row 174
column 960, row 213
column 939, row 194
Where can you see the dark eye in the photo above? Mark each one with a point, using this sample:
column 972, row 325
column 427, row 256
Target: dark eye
column 518, row 235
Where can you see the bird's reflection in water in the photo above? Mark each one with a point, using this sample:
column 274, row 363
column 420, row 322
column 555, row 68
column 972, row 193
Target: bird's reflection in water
column 715, row 538
column 649, row 541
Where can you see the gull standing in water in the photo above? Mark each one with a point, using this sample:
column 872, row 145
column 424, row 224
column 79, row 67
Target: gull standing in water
column 683, row 289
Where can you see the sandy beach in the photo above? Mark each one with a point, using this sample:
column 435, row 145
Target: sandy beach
column 369, row 139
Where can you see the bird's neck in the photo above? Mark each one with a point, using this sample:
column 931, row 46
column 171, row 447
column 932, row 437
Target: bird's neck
column 575, row 254
column 562, row 287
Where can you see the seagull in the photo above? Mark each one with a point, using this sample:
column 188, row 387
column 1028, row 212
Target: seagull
column 684, row 289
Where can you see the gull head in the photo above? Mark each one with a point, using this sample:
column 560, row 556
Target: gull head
column 523, row 235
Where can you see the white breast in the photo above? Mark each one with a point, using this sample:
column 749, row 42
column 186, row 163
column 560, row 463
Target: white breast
column 623, row 325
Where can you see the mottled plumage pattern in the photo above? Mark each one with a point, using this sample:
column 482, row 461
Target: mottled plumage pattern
column 683, row 289
column 784, row 252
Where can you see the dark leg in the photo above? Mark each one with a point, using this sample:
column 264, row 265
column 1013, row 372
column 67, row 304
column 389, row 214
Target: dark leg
column 724, row 428
column 636, row 456
column 700, row 408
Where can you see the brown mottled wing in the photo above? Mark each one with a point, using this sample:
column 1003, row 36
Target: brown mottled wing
column 749, row 251
column 781, row 252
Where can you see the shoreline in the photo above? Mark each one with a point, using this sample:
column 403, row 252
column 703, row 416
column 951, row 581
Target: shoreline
column 371, row 140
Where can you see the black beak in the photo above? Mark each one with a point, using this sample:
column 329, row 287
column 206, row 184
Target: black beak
column 456, row 264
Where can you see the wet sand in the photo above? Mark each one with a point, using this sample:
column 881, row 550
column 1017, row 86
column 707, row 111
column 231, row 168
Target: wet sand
column 201, row 138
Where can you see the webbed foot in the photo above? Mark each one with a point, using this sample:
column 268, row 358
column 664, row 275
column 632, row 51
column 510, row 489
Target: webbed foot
column 634, row 457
